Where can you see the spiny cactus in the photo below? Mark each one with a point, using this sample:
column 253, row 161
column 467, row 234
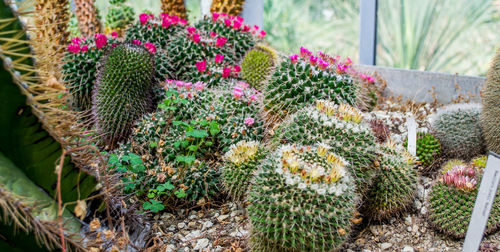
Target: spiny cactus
column 258, row 65
column 458, row 129
column 241, row 163
column 340, row 127
column 299, row 81
column 394, row 188
column 303, row 199
column 157, row 30
column 231, row 7
column 123, row 91
column 452, row 198
column 174, row 8
column 119, row 16
column 490, row 119
column 428, row 148
column 88, row 17
column 214, row 72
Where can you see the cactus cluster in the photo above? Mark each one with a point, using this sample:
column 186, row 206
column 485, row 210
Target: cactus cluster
column 241, row 162
column 490, row 120
column 157, row 30
column 452, row 198
column 458, row 129
column 303, row 199
column 301, row 80
column 258, row 65
column 123, row 91
column 428, row 148
column 119, row 16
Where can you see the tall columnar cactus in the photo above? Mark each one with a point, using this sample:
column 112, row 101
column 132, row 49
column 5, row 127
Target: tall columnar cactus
column 123, row 91
column 458, row 129
column 258, row 65
column 394, row 187
column 428, row 148
column 452, row 198
column 490, row 121
column 303, row 199
column 174, row 8
column 119, row 16
column 300, row 81
column 231, row 7
column 241, row 162
column 340, row 127
column 88, row 17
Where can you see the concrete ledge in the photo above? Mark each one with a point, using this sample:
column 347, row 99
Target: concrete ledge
column 418, row 85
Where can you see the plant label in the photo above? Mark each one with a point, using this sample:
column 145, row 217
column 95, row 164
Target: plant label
column 412, row 135
column 484, row 202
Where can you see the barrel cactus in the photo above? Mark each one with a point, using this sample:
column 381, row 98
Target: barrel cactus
column 458, row 129
column 428, row 148
column 123, row 91
column 303, row 199
column 490, row 120
column 258, row 65
column 119, row 16
column 452, row 198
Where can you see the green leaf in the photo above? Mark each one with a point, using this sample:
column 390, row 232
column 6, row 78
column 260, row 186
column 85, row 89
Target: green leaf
column 185, row 159
column 180, row 193
column 214, row 128
column 208, row 143
column 184, row 143
column 113, row 159
column 193, row 148
column 177, row 123
column 197, row 133
column 153, row 144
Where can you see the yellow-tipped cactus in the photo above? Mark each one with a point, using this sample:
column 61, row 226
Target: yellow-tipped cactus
column 174, row 8
column 231, row 7
column 88, row 17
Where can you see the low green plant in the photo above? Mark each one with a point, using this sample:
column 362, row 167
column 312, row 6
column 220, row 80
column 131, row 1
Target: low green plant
column 428, row 148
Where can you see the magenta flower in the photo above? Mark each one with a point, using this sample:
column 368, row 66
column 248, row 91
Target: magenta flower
column 239, row 19
column 100, row 40
column 237, row 92
column 219, row 58
column 76, row 40
column 179, row 84
column 249, row 121
column 144, row 17
column 151, row 47
column 136, row 42
column 227, row 22
column 323, row 64
column 199, row 85
column 236, row 68
column 114, row 45
column 246, row 28
column 187, row 85
column 294, row 58
column 348, row 61
column 85, row 48
column 262, row 34
column 189, row 95
column 243, row 85
column 226, row 72
column 191, row 29
column 201, row 66
column 253, row 97
column 183, row 22
column 215, row 16
column 73, row 48
column 220, row 41
column 196, row 38
column 174, row 19
column 341, row 68
column 370, row 79
column 304, row 52
column 313, row 60
column 165, row 23
column 213, row 34
column 236, row 25
column 363, row 76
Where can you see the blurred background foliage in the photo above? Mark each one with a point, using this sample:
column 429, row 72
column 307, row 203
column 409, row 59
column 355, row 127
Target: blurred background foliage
column 454, row 36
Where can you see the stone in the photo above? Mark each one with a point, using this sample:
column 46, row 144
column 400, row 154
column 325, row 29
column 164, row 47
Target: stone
column 192, row 224
column 420, row 191
column 171, row 228
column 170, row 248
column 385, row 245
column 201, row 244
column 407, row 249
column 223, row 217
column 181, row 225
column 423, row 210
column 207, row 224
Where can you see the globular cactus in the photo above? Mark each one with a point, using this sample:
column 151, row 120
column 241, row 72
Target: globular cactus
column 338, row 126
column 458, row 129
column 241, row 162
column 428, row 148
column 452, row 198
column 174, row 8
column 157, row 30
column 490, row 121
column 394, row 188
column 88, row 17
column 300, row 81
column 123, row 91
column 119, row 16
column 231, row 7
column 258, row 65
column 303, row 199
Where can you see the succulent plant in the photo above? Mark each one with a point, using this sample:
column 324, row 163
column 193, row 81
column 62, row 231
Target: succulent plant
column 157, row 30
column 428, row 148
column 231, row 7
column 394, row 188
column 258, row 65
column 479, row 162
column 88, row 17
column 458, row 129
column 241, row 162
column 174, row 8
column 452, row 198
column 123, row 91
column 491, row 106
column 338, row 126
column 303, row 199
column 300, row 81
column 119, row 15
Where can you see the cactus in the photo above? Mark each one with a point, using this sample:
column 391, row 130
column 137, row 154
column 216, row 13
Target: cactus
column 123, row 91
column 258, row 65
column 299, row 81
column 303, row 199
column 491, row 106
column 119, row 16
column 157, row 30
column 174, row 8
column 452, row 198
column 231, row 7
column 458, row 129
column 394, row 188
column 241, row 163
column 428, row 148
column 88, row 17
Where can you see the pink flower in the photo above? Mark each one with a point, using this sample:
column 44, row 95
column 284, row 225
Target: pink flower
column 348, row 61
column 238, row 89
column 313, row 60
column 255, row 28
column 174, row 19
column 114, row 34
column 187, row 85
column 237, row 93
column 136, row 42
column 73, row 48
column 226, row 72
column 179, row 84
column 246, row 28
column 183, row 22
column 243, row 85
column 189, row 95
column 213, row 34
column 249, row 121
column 76, row 40
column 151, row 47
column 239, row 19
column 165, row 23
column 253, row 97
column 201, row 66
column 218, row 58
column 191, row 29
column 114, row 45
column 100, row 40
column 227, row 22
column 220, row 41
column 85, row 48
column 196, row 38
column 323, row 64
column 215, row 16
column 304, row 52
column 236, row 68
column 236, row 25
column 199, row 85
column 341, row 68
column 363, row 76
column 164, row 15
column 370, row 79
column 294, row 58
column 262, row 34
column 144, row 17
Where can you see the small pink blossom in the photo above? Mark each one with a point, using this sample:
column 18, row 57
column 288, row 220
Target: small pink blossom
column 183, row 22
column 323, row 64
column 199, row 85
column 239, row 19
column 196, row 38
column 100, row 40
column 191, row 29
column 370, row 79
column 114, row 45
column 179, row 84
column 243, row 85
column 262, row 34
column 220, row 41
column 73, row 48
column 201, row 66
column 151, row 47
column 227, row 22
column 76, row 40
column 348, row 61
column 313, row 60
column 237, row 94
column 215, row 16
column 144, row 17
column 363, row 76
column 85, row 48
column 114, row 34
column 136, row 42
column 236, row 68
column 304, row 52
column 165, row 23
column 341, row 68
column 187, row 85
column 236, row 25
column 219, row 58
column 189, row 95
column 246, row 28
column 213, row 34
column 249, row 121
column 226, row 72
column 294, row 58
column 253, row 97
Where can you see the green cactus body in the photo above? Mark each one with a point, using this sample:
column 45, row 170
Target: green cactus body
column 458, row 129
column 119, row 15
column 490, row 119
column 347, row 137
column 295, row 84
column 241, row 163
column 258, row 65
column 157, row 30
column 123, row 91
column 428, row 148
column 394, row 188
column 302, row 200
